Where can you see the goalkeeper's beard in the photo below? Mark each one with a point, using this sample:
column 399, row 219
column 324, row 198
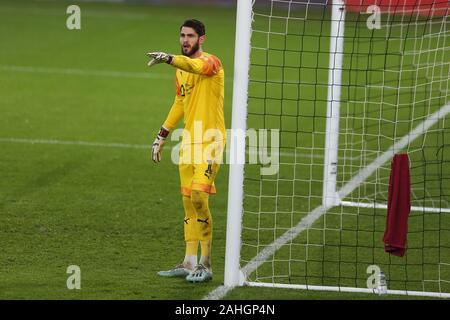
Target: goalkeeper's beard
column 192, row 51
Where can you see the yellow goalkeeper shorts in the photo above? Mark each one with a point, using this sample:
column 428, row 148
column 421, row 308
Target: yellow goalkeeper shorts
column 199, row 172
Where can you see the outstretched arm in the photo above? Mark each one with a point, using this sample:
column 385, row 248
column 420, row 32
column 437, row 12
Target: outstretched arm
column 208, row 66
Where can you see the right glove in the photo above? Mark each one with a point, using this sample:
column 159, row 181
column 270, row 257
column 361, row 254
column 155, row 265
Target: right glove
column 158, row 144
column 159, row 57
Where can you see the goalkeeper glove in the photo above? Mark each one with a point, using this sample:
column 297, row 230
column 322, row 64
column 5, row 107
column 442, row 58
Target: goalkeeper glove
column 159, row 57
column 158, row 144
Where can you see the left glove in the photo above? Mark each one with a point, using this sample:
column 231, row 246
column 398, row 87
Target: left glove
column 159, row 57
column 158, row 144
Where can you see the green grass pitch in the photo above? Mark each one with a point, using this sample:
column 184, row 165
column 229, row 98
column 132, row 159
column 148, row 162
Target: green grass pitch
column 77, row 187
column 109, row 210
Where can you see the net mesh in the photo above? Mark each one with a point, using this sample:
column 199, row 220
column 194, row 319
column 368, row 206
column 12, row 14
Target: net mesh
column 393, row 80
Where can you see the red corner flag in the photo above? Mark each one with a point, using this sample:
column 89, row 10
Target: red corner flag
column 398, row 206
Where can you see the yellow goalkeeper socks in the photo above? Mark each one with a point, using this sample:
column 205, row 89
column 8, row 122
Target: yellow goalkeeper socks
column 197, row 227
column 204, row 224
column 190, row 259
column 190, row 233
column 205, row 258
column 191, row 248
column 190, row 223
column 204, row 218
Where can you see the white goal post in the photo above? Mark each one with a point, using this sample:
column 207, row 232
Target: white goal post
column 386, row 91
column 236, row 177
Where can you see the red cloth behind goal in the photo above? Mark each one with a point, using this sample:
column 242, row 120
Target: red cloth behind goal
column 426, row 8
column 399, row 206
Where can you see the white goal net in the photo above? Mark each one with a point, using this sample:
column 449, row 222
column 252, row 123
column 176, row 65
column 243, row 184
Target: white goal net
column 349, row 85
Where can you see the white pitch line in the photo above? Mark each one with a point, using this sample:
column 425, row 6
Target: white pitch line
column 84, row 72
column 103, row 144
column 268, row 251
column 396, row 147
column 134, row 146
column 96, row 73
column 307, row 221
column 106, row 144
column 78, row 143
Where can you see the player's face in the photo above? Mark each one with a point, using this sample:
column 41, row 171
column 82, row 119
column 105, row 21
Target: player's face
column 190, row 41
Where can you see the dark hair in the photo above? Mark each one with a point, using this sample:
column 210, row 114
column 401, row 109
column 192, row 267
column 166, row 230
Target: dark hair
column 198, row 26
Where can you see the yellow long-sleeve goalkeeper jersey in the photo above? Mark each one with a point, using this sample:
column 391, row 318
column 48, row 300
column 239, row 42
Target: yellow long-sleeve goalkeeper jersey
column 199, row 99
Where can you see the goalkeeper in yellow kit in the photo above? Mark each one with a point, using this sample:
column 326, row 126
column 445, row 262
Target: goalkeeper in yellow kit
column 199, row 100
